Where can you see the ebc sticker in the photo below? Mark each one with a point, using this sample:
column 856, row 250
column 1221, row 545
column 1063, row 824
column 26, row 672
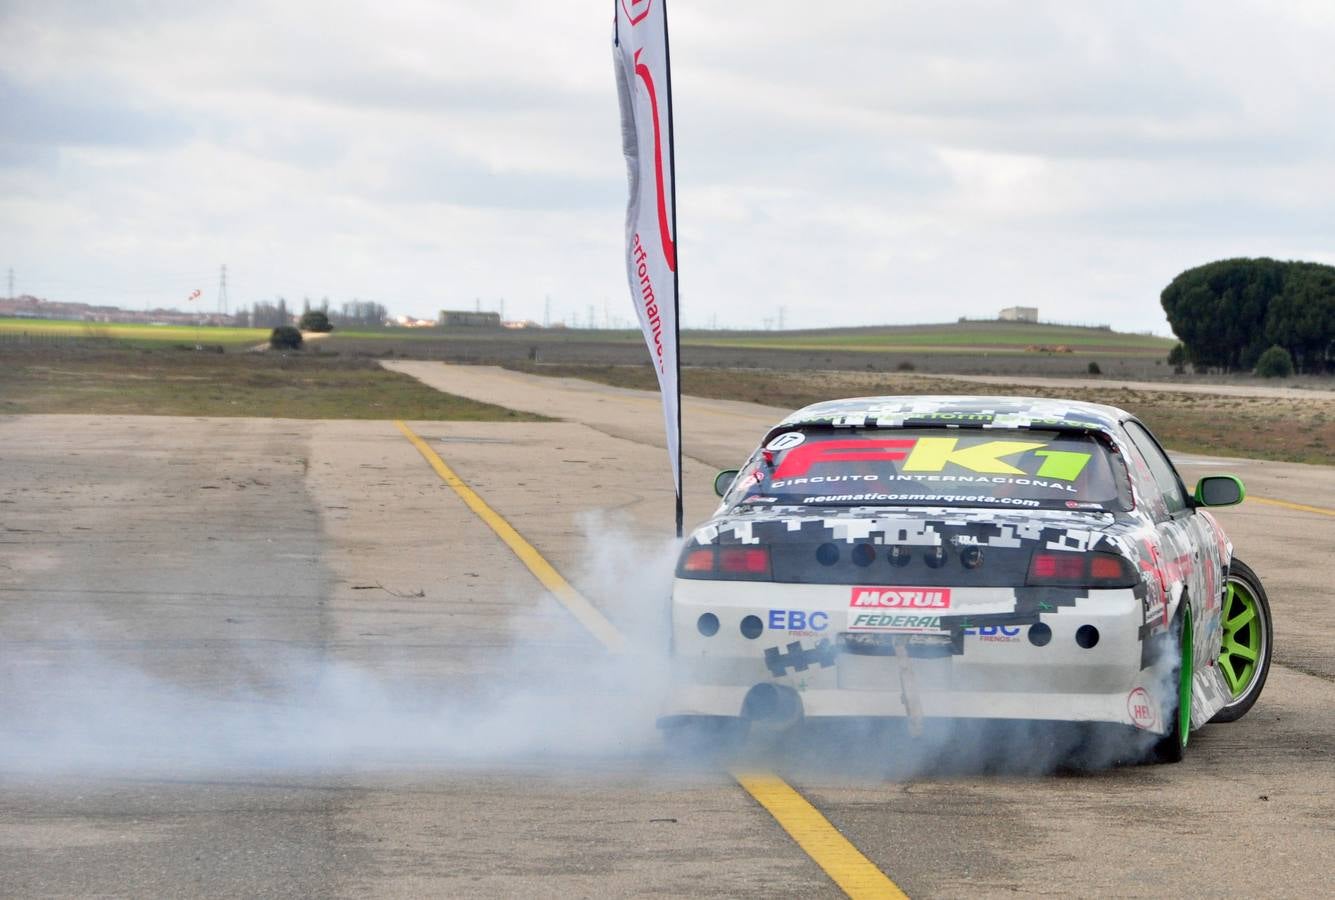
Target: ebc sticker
column 994, row 634
column 798, row 620
column 786, row 441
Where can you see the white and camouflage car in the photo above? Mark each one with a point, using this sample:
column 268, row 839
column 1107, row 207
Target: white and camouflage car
column 966, row 557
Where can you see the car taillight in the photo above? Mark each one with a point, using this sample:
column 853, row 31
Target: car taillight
column 1105, row 570
column 726, row 562
column 1057, row 567
column 1105, row 567
column 743, row 560
column 699, row 561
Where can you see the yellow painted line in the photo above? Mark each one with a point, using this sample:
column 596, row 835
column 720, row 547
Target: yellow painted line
column 844, row 863
column 584, row 611
column 1298, row 506
column 856, row 875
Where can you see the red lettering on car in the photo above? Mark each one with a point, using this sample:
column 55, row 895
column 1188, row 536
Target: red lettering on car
column 899, row 598
column 799, row 460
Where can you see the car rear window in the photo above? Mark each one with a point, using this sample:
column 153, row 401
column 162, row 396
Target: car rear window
column 1019, row 468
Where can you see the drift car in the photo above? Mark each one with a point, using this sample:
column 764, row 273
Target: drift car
column 966, row 557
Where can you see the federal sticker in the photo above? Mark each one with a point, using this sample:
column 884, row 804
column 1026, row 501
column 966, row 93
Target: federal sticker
column 898, row 623
column 786, row 441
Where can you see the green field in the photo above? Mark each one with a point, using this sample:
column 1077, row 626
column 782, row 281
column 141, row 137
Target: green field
column 16, row 329
column 947, row 337
column 115, row 379
column 953, row 337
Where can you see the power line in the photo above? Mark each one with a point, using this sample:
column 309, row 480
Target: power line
column 222, row 290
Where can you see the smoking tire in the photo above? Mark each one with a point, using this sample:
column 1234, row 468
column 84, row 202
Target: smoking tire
column 1172, row 747
column 1244, row 657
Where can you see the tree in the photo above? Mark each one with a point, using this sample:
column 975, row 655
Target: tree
column 270, row 315
column 1302, row 318
column 285, row 337
column 315, row 320
column 360, row 313
column 1227, row 312
column 1275, row 363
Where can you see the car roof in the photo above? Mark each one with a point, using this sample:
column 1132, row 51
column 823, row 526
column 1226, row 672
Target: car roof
column 971, row 411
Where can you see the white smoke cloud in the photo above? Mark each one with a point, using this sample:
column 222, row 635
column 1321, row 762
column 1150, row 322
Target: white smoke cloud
column 69, row 705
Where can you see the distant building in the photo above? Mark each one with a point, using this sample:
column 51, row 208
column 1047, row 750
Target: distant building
column 462, row 318
column 410, row 322
column 1019, row 314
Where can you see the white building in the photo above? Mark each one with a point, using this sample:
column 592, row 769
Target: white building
column 1019, row 314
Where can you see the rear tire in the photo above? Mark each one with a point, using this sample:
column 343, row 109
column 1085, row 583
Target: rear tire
column 1244, row 657
column 1172, row 747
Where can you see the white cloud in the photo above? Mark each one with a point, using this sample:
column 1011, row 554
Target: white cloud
column 854, row 163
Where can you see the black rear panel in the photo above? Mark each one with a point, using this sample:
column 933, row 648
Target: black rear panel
column 839, row 562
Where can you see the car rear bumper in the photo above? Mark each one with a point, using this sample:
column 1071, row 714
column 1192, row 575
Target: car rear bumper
column 1040, row 666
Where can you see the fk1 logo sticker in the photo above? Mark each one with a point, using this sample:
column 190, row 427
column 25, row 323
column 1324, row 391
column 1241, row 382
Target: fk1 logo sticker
column 799, row 659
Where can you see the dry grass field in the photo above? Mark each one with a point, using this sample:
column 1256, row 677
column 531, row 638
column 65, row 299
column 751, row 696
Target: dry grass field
column 1298, row 430
column 126, row 380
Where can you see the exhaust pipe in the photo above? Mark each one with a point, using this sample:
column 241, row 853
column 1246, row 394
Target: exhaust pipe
column 773, row 705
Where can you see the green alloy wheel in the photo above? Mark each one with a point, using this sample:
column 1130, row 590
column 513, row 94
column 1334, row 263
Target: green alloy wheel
column 1244, row 658
column 1172, row 747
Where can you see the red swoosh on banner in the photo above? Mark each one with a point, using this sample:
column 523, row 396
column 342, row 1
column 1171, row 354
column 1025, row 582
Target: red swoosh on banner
column 669, row 247
column 634, row 19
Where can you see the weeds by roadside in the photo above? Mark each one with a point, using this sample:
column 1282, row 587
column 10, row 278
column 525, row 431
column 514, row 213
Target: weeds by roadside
column 1292, row 430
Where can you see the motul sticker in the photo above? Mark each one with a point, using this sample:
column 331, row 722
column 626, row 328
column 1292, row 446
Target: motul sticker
column 900, row 598
column 1140, row 708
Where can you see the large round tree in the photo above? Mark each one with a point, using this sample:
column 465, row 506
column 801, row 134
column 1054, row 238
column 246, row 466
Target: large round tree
column 1227, row 313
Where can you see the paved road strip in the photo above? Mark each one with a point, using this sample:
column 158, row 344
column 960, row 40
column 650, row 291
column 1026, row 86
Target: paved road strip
column 853, row 872
column 856, row 875
column 1298, row 506
column 584, row 611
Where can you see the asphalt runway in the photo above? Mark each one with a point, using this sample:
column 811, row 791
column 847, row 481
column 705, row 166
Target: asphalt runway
column 283, row 658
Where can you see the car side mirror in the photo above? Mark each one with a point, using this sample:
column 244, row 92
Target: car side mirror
column 1220, row 490
column 723, row 480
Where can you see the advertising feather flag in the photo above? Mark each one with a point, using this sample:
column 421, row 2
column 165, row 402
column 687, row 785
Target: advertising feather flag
column 644, row 87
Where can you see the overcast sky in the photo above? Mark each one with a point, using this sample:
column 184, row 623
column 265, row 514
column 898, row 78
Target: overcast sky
column 852, row 163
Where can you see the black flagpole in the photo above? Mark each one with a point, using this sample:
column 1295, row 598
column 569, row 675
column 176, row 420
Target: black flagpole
column 676, row 241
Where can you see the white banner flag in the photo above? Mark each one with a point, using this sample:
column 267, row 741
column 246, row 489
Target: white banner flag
column 651, row 249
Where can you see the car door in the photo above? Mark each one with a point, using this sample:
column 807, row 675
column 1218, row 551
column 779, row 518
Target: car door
column 1190, row 544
